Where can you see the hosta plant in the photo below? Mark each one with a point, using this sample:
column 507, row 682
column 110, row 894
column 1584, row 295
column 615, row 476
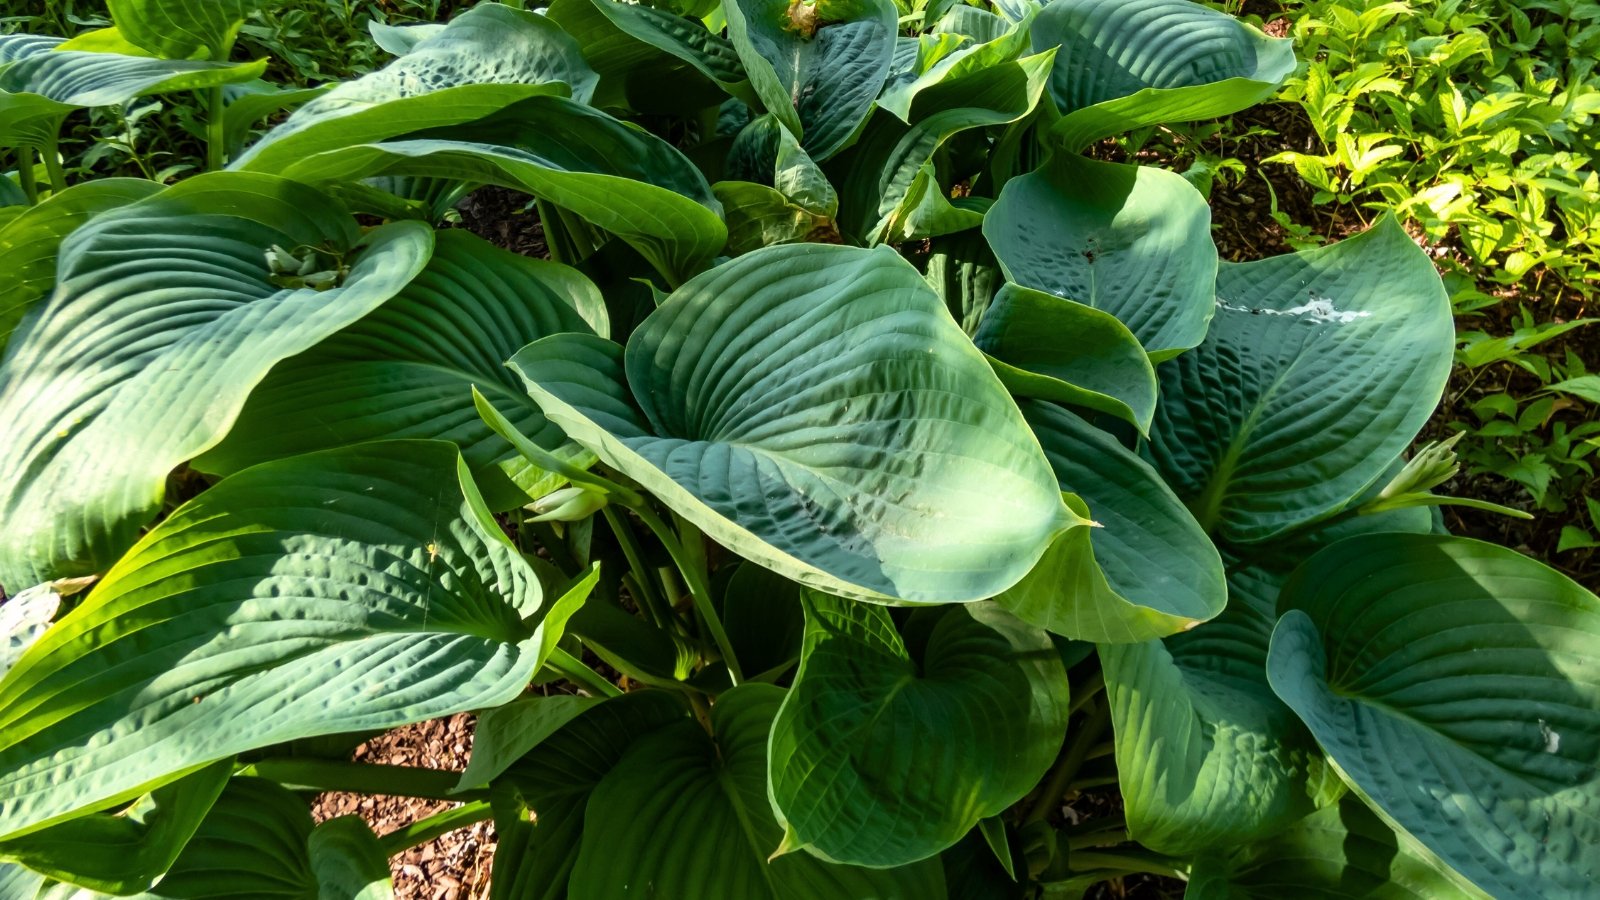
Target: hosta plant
column 869, row 479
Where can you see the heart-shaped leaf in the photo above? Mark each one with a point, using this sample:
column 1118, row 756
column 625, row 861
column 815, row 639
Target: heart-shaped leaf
column 359, row 588
column 553, row 782
column 679, row 790
column 1453, row 685
column 631, row 44
column 948, row 54
column 1343, row 852
column 486, row 59
column 878, row 759
column 1134, row 241
column 814, row 409
column 407, row 370
column 615, row 176
column 1053, row 349
column 166, row 312
column 1319, row 368
column 816, row 64
column 30, row 241
column 1125, row 64
column 1146, row 571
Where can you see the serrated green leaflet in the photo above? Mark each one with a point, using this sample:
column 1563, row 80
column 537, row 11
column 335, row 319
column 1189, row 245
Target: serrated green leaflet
column 824, row 386
column 357, row 588
column 1131, row 240
column 817, row 66
column 407, row 370
column 1454, row 684
column 679, row 785
column 1053, row 349
column 1319, row 368
column 1343, row 852
column 879, row 759
column 486, row 59
column 1124, row 64
column 30, row 241
column 1144, row 571
column 166, row 313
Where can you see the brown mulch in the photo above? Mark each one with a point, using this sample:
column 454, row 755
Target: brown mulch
column 455, row 866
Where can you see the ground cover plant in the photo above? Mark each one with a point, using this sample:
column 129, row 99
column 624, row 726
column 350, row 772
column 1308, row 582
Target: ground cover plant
column 872, row 466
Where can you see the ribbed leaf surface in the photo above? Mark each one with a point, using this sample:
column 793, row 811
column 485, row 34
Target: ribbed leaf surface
column 178, row 29
column 1319, row 369
column 1456, row 686
column 881, row 760
column 165, row 314
column 815, row 410
column 360, row 588
column 407, row 370
column 1125, row 64
column 486, row 59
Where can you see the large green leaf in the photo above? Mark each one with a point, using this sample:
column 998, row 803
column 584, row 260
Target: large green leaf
column 617, row 177
column 30, row 241
column 1134, row 241
column 40, row 85
column 1455, row 685
column 506, row 734
column 686, row 814
column 259, row 842
column 535, row 857
column 818, row 66
column 1146, row 571
column 126, row 852
column 165, row 314
column 407, row 370
column 951, row 52
column 1053, row 349
column 814, row 409
column 181, row 29
column 359, row 588
column 644, row 54
column 1319, row 368
column 486, row 59
column 880, row 759
column 888, row 172
column 1125, row 64
column 1343, row 852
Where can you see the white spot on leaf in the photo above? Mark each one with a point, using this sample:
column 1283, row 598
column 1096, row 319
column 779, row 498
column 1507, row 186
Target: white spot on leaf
column 1552, row 738
column 1317, row 309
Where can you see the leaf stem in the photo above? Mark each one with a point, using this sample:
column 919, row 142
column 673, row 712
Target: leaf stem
column 303, row 774
column 1072, row 757
column 50, row 150
column 26, row 179
column 441, row 823
column 694, row 575
column 574, row 670
column 648, row 597
column 216, row 134
column 1129, row 862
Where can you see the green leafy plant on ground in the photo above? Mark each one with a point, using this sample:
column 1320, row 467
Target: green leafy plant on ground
column 873, row 470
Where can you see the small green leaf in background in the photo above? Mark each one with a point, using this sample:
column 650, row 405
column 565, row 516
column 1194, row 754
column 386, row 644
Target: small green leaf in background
column 1131, row 240
column 881, row 759
column 686, row 814
column 1454, row 685
column 359, row 588
column 820, row 387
